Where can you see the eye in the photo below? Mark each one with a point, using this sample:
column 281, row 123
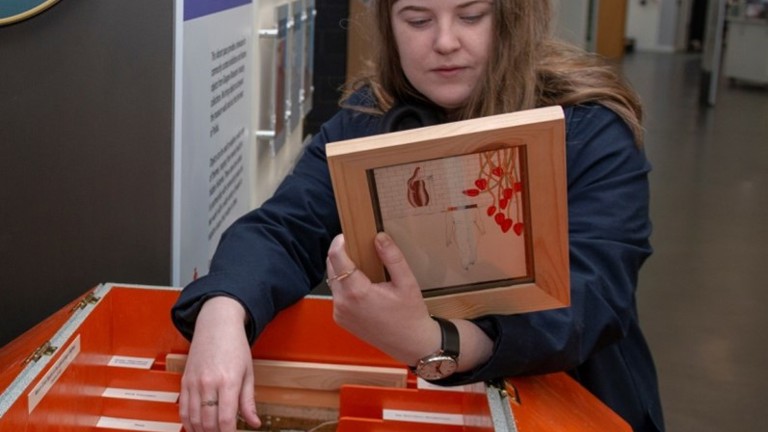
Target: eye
column 418, row 22
column 472, row 18
column 415, row 17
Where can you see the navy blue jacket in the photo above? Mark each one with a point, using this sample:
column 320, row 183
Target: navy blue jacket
column 273, row 256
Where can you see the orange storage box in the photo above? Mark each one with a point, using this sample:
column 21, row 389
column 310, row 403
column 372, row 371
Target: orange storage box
column 112, row 360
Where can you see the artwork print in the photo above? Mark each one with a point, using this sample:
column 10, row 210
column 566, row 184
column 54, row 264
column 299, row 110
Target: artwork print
column 297, row 67
column 309, row 56
column 451, row 217
column 281, row 100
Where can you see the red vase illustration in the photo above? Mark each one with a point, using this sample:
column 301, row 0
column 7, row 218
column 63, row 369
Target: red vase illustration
column 418, row 196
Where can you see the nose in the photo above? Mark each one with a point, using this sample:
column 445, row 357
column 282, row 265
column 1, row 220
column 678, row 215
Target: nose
column 446, row 40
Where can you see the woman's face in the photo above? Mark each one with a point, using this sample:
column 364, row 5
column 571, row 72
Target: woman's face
column 444, row 46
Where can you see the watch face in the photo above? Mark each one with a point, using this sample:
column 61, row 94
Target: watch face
column 436, row 367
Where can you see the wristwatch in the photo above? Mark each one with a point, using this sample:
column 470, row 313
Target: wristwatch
column 444, row 361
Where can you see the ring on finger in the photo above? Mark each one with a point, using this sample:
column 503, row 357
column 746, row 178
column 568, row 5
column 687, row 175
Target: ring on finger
column 341, row 276
column 209, row 403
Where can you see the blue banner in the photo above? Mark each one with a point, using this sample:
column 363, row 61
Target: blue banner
column 198, row 8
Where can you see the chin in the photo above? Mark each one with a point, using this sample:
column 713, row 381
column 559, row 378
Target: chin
column 448, row 104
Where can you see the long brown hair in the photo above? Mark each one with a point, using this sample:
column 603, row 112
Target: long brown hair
column 528, row 68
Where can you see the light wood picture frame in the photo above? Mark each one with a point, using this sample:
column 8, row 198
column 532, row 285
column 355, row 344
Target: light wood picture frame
column 479, row 208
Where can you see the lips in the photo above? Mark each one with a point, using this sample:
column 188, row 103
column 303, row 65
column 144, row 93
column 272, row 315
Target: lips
column 448, row 71
column 447, row 68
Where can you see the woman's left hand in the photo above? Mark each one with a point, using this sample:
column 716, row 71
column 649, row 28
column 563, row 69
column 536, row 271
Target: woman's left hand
column 391, row 316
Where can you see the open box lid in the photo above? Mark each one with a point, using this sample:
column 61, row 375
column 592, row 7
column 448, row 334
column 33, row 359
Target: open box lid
column 104, row 320
column 24, row 359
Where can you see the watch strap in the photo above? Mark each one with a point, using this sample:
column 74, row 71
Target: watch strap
column 449, row 336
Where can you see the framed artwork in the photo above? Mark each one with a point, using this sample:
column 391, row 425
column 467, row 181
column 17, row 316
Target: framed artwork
column 281, row 109
column 309, row 55
column 478, row 207
column 297, row 66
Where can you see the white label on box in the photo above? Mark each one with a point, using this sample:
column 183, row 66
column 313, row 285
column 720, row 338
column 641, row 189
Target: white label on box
column 131, row 362
column 54, row 373
column 423, row 417
column 143, row 395
column 137, row 425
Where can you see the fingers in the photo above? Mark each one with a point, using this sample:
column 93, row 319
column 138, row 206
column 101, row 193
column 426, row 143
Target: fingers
column 213, row 413
column 226, row 412
column 189, row 407
column 393, row 259
column 341, row 275
column 206, row 413
column 209, row 414
column 189, row 410
column 341, row 268
column 248, row 401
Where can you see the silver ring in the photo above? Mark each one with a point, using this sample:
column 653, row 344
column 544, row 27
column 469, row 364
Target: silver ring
column 341, row 276
column 209, row 403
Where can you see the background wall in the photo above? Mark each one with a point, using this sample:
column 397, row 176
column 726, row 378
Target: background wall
column 653, row 24
column 572, row 21
column 85, row 154
column 643, row 24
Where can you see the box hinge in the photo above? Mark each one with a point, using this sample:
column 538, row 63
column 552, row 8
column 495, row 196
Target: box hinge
column 45, row 349
column 90, row 298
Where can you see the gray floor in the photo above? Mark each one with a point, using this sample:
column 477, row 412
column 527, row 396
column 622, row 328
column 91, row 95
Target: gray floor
column 703, row 295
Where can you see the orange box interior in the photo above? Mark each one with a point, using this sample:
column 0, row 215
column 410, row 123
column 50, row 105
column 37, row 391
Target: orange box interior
column 135, row 322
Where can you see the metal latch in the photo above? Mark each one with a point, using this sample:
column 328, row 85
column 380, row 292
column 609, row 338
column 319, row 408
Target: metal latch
column 510, row 392
column 44, row 349
column 90, row 298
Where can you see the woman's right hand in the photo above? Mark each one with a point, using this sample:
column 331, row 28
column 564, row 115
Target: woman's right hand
column 218, row 377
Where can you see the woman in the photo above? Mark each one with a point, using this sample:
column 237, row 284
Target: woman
column 453, row 59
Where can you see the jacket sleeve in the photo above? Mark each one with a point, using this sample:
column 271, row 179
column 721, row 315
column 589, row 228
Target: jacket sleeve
column 272, row 256
column 609, row 229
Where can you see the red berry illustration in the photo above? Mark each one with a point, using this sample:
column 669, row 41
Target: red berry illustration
column 506, row 225
column 499, row 181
